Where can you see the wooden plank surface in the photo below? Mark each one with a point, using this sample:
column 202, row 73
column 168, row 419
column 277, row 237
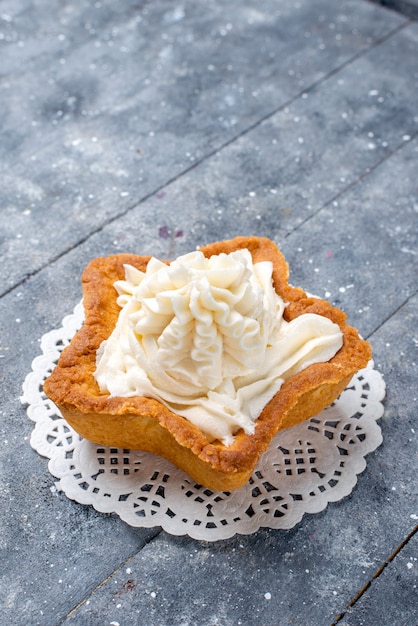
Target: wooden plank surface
column 124, row 126
column 102, row 106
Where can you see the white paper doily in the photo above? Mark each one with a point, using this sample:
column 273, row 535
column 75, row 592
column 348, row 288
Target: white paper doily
column 305, row 467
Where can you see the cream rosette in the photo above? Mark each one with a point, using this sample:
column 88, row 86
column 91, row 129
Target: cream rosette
column 207, row 338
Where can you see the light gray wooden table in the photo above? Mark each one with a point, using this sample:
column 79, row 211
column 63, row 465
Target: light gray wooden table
column 154, row 127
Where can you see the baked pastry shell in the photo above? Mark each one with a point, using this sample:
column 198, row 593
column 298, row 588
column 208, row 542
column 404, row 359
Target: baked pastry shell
column 140, row 423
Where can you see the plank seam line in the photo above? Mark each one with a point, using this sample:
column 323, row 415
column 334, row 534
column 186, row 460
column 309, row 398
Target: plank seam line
column 105, row 580
column 401, row 305
column 376, row 575
column 211, row 154
column 359, row 179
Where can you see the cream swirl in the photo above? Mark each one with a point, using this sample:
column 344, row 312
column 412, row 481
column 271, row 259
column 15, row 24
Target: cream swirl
column 207, row 338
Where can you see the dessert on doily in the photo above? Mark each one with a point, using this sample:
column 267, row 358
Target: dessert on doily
column 202, row 361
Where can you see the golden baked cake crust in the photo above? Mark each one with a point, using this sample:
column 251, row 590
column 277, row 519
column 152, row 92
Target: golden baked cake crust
column 146, row 424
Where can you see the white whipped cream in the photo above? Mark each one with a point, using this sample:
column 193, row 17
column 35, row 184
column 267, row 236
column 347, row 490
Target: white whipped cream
column 207, row 338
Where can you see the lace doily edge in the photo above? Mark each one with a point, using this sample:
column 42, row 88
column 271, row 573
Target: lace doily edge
column 32, row 398
column 311, row 506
